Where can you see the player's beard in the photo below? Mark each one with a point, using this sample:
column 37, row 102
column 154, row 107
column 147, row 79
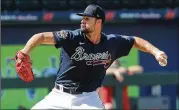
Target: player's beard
column 87, row 30
column 84, row 30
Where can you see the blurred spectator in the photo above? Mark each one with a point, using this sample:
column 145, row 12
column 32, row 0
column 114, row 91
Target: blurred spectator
column 107, row 92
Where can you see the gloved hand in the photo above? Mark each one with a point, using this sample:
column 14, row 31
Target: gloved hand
column 23, row 66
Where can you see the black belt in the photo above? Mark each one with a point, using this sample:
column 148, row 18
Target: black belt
column 70, row 91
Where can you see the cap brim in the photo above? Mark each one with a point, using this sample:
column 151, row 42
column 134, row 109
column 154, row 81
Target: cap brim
column 84, row 14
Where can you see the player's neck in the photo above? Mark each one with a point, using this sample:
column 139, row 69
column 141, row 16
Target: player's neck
column 94, row 37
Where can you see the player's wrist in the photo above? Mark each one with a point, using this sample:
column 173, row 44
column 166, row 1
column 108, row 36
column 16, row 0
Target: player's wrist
column 25, row 51
column 156, row 52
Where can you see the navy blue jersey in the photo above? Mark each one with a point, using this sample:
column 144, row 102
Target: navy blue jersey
column 83, row 64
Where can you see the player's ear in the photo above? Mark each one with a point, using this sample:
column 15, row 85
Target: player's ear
column 99, row 22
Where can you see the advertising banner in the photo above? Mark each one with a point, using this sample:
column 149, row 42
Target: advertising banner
column 70, row 16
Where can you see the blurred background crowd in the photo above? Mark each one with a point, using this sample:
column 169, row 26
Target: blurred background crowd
column 154, row 20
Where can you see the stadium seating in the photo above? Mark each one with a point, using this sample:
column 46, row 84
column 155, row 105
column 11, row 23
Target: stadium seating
column 107, row 4
column 130, row 3
column 77, row 4
column 8, row 5
column 55, row 4
column 157, row 3
column 26, row 5
column 176, row 3
column 90, row 1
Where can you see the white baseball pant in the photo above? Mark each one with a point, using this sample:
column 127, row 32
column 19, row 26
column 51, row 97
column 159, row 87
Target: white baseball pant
column 57, row 99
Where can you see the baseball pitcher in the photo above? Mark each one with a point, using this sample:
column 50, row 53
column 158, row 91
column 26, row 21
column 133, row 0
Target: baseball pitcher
column 86, row 54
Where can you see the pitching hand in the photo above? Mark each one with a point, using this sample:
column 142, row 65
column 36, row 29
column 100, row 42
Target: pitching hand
column 161, row 57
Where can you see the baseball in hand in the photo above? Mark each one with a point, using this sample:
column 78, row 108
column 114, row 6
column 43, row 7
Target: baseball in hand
column 161, row 57
column 162, row 63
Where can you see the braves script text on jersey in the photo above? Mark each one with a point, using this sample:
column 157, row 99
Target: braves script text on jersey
column 83, row 64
